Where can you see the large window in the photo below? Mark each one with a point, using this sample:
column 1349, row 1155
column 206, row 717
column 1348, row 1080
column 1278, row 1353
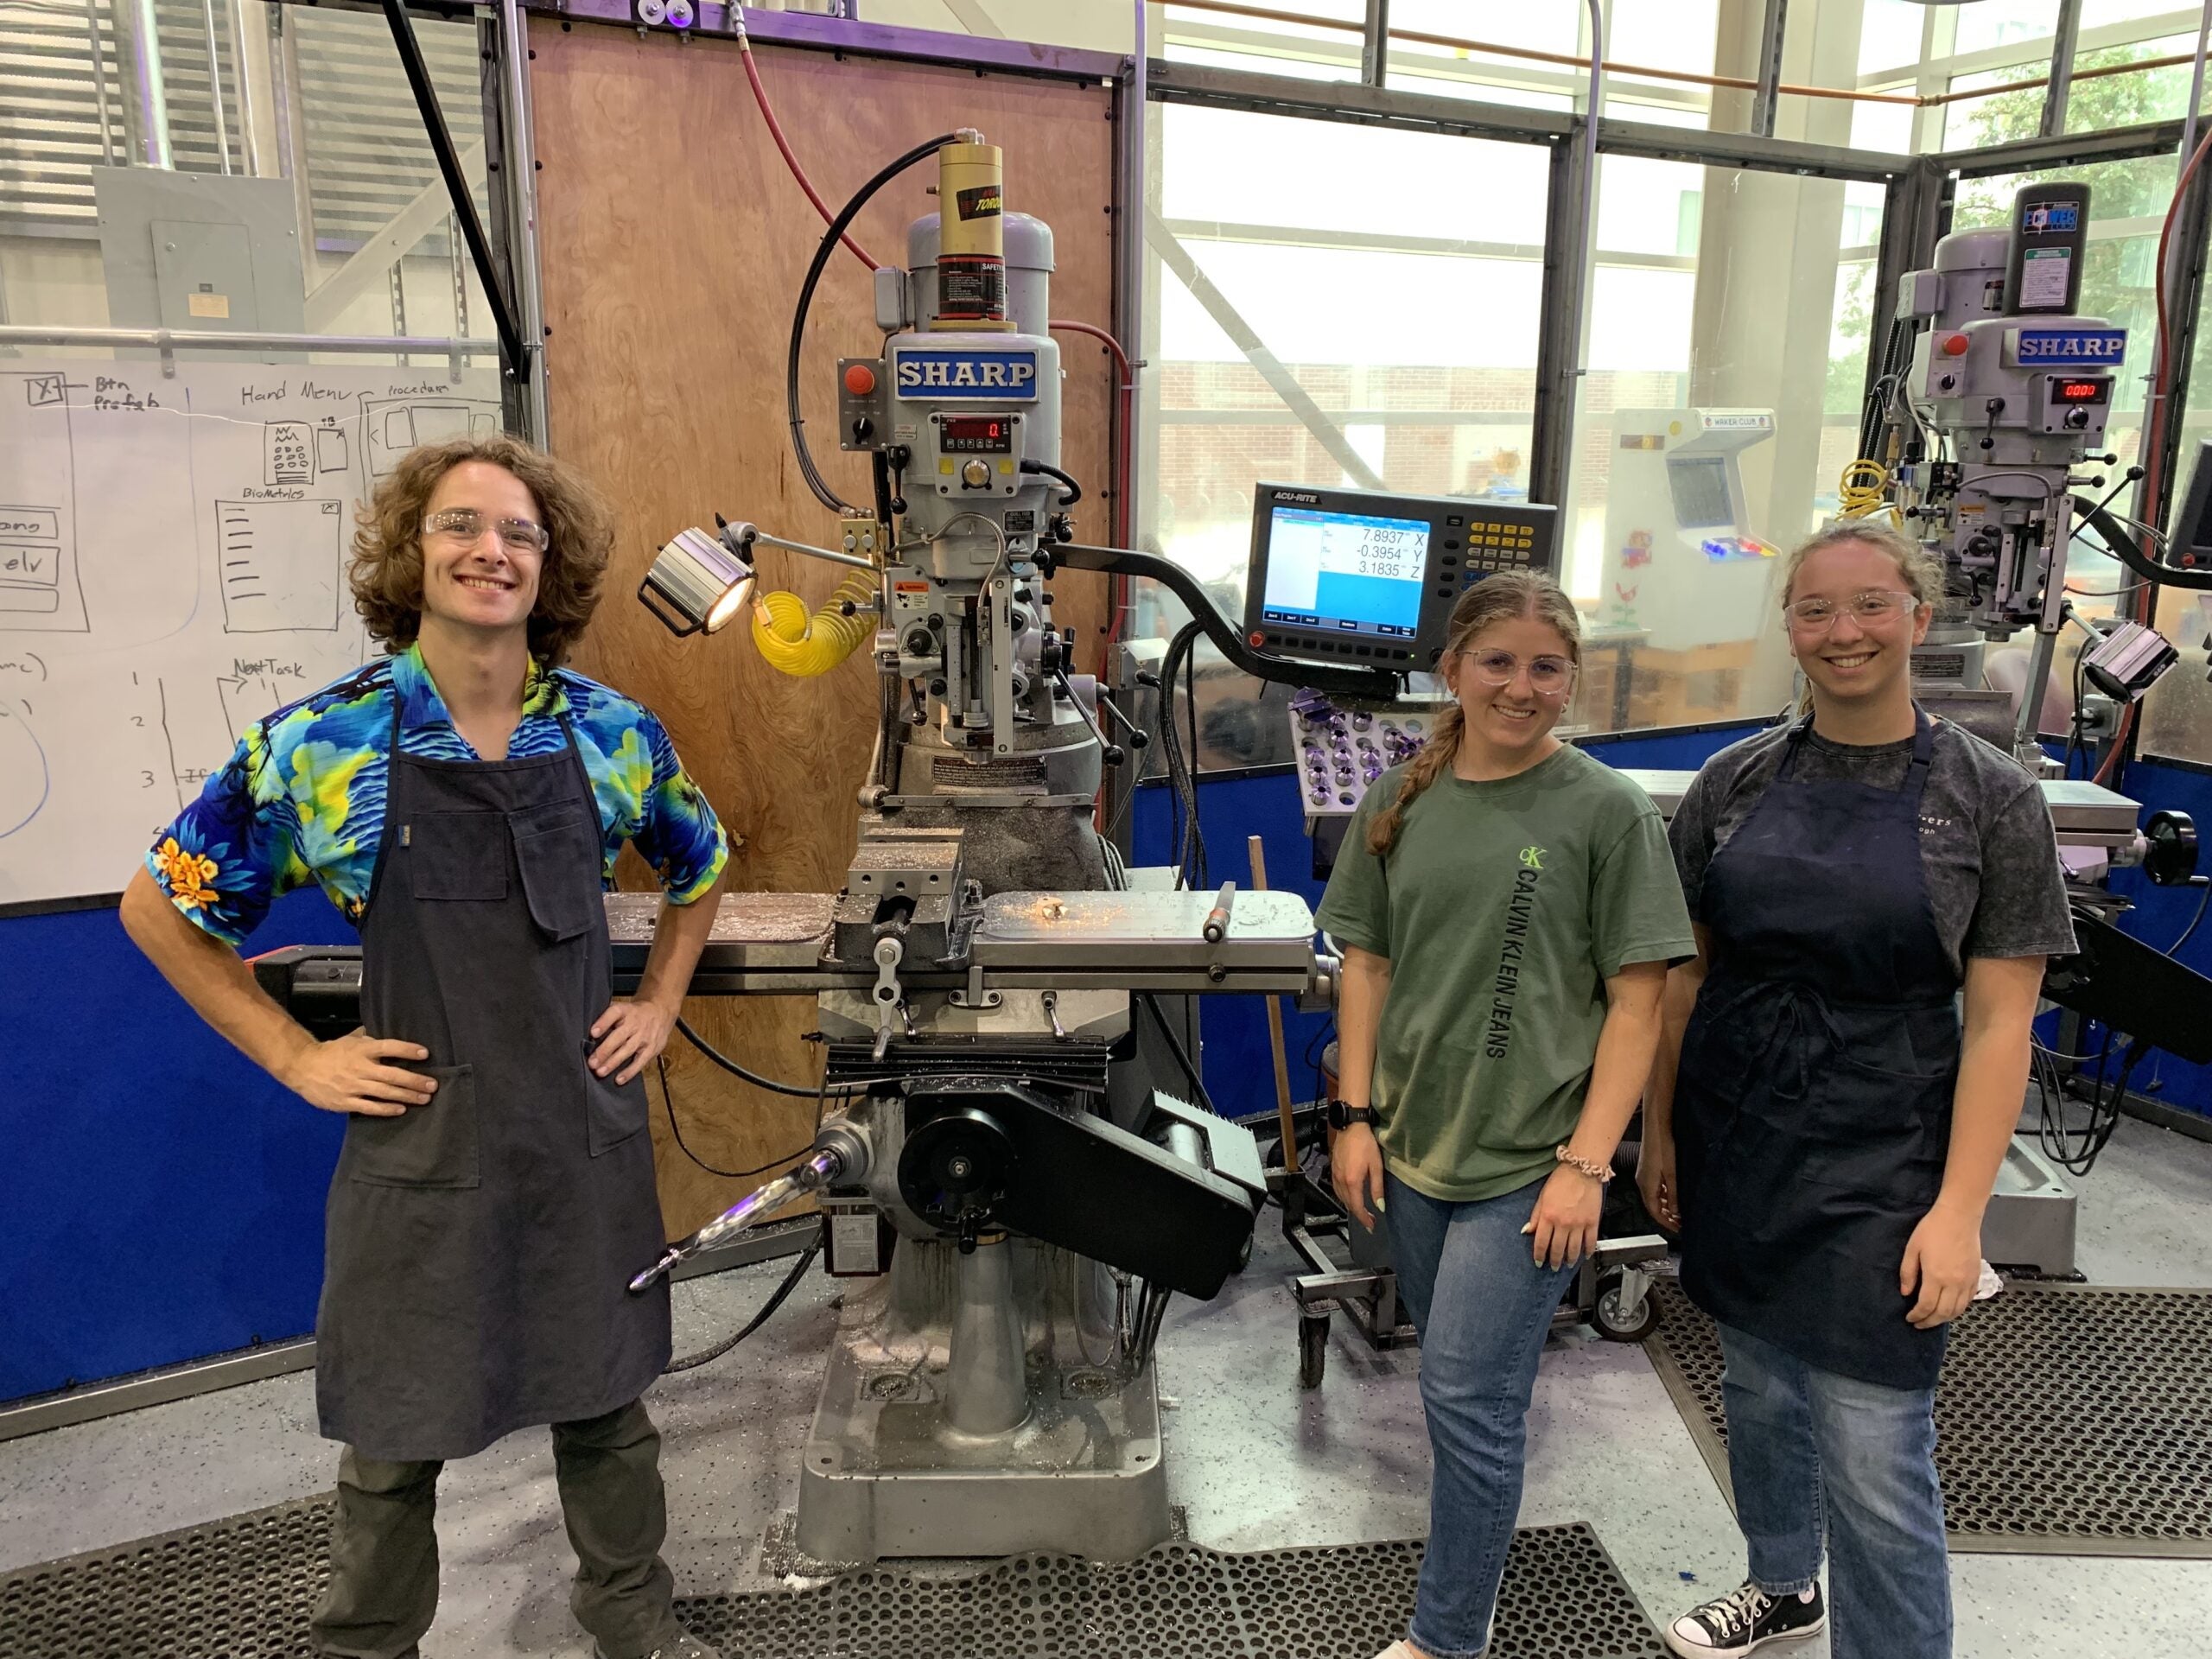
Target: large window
column 1337, row 306
column 1331, row 313
column 1726, row 355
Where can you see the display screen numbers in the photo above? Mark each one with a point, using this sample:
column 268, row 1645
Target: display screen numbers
column 978, row 435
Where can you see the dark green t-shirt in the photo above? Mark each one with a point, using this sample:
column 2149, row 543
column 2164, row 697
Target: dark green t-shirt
column 1504, row 908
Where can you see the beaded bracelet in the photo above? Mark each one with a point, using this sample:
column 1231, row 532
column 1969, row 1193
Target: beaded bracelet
column 1600, row 1173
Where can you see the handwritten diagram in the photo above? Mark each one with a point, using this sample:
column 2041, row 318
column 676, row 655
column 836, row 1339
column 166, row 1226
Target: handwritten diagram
column 279, row 564
column 39, row 586
column 397, row 425
column 172, row 568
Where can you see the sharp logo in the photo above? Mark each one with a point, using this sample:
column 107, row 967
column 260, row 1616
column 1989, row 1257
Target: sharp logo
column 1009, row 375
column 2063, row 345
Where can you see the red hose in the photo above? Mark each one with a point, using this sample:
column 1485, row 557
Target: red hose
column 2154, row 431
column 1127, row 385
column 783, row 144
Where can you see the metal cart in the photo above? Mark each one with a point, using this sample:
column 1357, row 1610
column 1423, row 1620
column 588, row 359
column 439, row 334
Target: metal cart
column 1352, row 1273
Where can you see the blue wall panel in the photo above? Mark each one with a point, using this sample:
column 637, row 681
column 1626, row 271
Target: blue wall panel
column 164, row 1197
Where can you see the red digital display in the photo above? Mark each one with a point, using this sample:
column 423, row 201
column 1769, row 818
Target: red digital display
column 978, row 435
column 2079, row 392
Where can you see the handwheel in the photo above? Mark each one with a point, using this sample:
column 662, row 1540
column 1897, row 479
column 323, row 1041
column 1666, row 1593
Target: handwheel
column 1617, row 1318
column 1313, row 1348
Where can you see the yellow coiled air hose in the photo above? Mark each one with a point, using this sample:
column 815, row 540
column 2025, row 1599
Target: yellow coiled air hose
column 803, row 646
column 1860, row 488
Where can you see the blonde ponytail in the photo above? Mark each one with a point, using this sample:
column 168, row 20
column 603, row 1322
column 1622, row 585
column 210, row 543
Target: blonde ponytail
column 1424, row 769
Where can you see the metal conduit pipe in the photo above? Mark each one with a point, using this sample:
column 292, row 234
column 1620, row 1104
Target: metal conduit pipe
column 146, row 98
column 215, row 86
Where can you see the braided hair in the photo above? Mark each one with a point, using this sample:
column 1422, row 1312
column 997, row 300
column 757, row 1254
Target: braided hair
column 1494, row 599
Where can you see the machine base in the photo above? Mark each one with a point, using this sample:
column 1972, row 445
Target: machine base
column 884, row 1473
column 2030, row 1220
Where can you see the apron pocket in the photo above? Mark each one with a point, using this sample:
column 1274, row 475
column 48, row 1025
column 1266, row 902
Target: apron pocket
column 561, row 865
column 424, row 1146
column 614, row 1113
column 456, row 855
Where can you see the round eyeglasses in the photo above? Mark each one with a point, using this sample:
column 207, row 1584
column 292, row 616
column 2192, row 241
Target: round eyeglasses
column 1548, row 676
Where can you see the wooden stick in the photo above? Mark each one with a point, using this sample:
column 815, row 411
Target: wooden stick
column 1274, row 1031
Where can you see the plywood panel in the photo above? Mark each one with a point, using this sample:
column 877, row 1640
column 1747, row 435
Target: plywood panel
column 675, row 242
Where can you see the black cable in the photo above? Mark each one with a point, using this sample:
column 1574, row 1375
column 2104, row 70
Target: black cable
column 2075, row 1151
column 854, row 1086
column 668, row 1103
column 2122, row 547
column 2203, row 898
column 827, row 497
column 1192, row 764
column 775, row 1302
column 1189, row 847
column 1189, row 838
column 2074, row 741
column 1073, row 490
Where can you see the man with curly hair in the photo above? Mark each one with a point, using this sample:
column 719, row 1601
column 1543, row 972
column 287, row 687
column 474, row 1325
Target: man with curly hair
column 462, row 801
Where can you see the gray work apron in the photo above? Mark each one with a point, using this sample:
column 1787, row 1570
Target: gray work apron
column 478, row 1249
column 1813, row 1101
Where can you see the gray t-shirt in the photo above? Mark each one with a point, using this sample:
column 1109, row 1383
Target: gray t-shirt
column 1990, row 858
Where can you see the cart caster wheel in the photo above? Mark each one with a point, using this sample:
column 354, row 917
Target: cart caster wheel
column 1313, row 1348
column 1619, row 1320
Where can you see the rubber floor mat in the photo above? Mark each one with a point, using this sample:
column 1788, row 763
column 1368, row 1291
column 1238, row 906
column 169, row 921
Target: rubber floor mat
column 2071, row 1419
column 242, row 1588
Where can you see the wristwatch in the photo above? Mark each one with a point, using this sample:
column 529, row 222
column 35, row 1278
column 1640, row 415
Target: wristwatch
column 1343, row 1114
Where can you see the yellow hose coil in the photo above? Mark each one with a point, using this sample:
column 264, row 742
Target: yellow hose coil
column 803, row 646
column 1862, row 487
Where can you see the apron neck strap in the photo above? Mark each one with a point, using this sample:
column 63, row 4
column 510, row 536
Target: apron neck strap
column 1923, row 748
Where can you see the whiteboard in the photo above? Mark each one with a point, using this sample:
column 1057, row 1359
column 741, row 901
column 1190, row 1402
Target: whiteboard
column 172, row 556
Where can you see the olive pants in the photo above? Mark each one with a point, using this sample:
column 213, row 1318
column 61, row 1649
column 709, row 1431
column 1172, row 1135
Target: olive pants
column 383, row 1547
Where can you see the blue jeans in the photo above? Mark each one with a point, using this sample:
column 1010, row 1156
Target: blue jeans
column 1809, row 1452
column 1468, row 1276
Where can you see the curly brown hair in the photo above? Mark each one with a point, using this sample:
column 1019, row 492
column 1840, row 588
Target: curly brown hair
column 386, row 571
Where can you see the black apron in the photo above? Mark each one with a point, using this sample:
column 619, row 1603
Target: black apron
column 1813, row 1106
column 478, row 1249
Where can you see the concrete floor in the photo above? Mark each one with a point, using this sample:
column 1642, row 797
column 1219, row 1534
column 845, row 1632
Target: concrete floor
column 1256, row 1463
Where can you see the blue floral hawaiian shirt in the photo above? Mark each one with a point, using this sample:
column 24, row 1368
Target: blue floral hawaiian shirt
column 302, row 798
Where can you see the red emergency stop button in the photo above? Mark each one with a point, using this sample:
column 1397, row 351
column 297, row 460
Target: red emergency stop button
column 860, row 379
column 1256, row 638
column 1954, row 345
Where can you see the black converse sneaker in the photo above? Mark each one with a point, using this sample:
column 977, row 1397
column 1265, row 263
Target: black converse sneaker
column 1745, row 1619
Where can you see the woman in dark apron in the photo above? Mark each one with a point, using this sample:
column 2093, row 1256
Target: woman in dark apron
column 1830, row 1134
column 495, row 1191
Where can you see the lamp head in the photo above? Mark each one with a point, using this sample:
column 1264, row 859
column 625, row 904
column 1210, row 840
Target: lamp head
column 699, row 582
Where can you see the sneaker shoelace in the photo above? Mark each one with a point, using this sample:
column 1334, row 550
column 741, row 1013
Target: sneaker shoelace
column 1738, row 1612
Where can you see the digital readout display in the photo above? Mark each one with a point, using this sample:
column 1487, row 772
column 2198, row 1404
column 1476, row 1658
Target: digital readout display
column 978, row 435
column 2079, row 392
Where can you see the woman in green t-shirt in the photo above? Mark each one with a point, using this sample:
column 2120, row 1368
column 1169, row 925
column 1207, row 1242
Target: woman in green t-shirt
column 1507, row 908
